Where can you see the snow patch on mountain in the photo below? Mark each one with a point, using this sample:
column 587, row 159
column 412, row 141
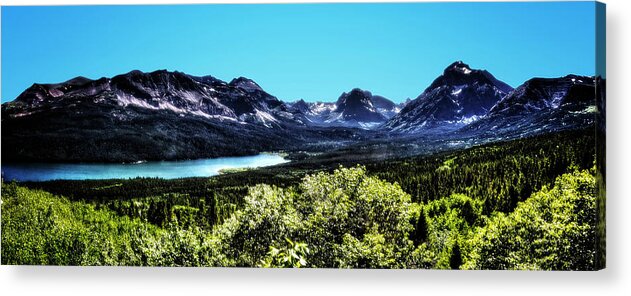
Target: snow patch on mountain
column 458, row 89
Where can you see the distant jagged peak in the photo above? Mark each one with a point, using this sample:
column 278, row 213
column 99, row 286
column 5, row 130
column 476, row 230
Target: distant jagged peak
column 79, row 80
column 300, row 102
column 138, row 75
column 356, row 95
column 362, row 91
column 156, row 74
column 459, row 73
column 459, row 67
column 76, row 81
column 134, row 72
column 209, row 79
column 573, row 78
column 163, row 71
column 245, row 83
column 301, row 105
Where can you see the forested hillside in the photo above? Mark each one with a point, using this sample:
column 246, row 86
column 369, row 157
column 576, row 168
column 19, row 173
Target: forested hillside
column 344, row 219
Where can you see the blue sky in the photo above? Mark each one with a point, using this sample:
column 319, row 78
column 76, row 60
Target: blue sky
column 309, row 51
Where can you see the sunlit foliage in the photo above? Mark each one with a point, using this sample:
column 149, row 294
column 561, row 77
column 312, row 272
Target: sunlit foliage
column 554, row 229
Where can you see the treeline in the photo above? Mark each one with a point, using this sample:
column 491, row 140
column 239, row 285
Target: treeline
column 122, row 189
column 203, row 202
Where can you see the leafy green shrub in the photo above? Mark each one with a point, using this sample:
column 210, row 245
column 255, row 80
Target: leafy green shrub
column 332, row 213
column 292, row 255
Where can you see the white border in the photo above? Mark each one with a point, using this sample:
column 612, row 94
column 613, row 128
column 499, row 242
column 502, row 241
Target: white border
column 190, row 281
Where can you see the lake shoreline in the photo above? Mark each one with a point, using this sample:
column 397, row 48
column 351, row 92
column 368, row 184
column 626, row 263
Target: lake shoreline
column 206, row 167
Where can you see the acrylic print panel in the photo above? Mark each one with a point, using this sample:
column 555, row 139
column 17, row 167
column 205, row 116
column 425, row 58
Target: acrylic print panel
column 399, row 135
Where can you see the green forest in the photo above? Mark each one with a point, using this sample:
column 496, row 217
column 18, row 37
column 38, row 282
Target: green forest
column 521, row 204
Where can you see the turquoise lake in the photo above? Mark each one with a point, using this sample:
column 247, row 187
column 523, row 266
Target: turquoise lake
column 162, row 169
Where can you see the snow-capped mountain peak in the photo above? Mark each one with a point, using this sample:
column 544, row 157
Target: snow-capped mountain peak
column 246, row 84
column 460, row 67
column 457, row 97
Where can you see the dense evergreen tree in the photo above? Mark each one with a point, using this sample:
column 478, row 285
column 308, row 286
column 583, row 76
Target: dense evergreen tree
column 455, row 260
column 420, row 229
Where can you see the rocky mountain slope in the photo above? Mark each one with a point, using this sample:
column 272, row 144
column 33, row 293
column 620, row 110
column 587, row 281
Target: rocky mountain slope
column 541, row 105
column 459, row 96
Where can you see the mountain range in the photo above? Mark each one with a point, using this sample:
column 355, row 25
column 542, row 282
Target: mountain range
column 172, row 115
column 357, row 108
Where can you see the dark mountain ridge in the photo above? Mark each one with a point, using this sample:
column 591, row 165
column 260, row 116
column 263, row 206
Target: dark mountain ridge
column 165, row 115
column 240, row 100
column 159, row 115
column 542, row 105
